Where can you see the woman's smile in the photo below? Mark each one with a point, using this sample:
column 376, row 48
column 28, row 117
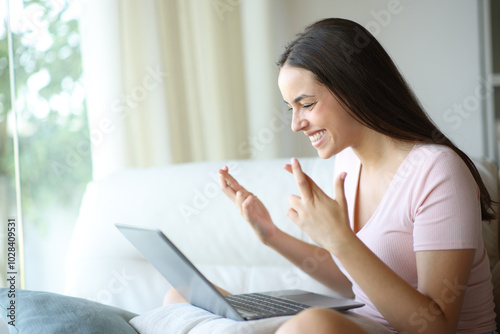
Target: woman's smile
column 317, row 138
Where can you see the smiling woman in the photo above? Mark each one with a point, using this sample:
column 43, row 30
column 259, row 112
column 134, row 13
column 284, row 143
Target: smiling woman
column 358, row 108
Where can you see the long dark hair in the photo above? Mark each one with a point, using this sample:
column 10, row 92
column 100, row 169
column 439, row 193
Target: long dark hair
column 352, row 64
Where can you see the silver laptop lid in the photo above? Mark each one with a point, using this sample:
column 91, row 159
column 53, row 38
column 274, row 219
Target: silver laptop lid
column 178, row 270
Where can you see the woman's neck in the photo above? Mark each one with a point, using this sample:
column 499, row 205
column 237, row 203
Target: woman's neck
column 378, row 152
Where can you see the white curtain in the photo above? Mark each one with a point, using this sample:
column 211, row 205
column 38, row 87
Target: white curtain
column 165, row 82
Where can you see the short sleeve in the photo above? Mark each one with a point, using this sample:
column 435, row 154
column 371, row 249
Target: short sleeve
column 446, row 209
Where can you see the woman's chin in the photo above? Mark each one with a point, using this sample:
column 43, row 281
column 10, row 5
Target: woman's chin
column 325, row 154
column 328, row 152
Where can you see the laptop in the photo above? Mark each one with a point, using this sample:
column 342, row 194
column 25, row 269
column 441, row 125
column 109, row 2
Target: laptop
column 198, row 291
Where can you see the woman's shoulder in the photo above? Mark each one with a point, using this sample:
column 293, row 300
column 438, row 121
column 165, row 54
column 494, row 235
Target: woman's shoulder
column 421, row 154
column 435, row 154
column 437, row 162
column 423, row 160
column 433, row 149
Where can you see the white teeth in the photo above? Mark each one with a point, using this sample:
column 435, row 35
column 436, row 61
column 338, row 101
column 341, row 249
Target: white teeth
column 317, row 136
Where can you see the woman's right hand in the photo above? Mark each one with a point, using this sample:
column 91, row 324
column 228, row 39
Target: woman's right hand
column 250, row 207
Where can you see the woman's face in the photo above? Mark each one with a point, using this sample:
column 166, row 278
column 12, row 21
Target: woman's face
column 317, row 112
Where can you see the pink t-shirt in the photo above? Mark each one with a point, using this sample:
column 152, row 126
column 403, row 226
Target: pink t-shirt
column 432, row 203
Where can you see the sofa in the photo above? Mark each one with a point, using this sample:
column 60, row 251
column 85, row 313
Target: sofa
column 186, row 203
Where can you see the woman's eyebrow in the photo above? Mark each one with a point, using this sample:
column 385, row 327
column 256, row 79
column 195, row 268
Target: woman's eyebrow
column 301, row 97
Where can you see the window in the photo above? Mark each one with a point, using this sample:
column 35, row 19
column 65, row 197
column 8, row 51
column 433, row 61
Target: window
column 52, row 132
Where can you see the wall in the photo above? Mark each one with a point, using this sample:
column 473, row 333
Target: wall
column 435, row 43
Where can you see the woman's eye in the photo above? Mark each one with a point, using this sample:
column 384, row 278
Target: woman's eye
column 308, row 106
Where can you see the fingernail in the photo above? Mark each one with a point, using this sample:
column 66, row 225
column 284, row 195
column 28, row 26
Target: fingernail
column 294, row 160
column 343, row 175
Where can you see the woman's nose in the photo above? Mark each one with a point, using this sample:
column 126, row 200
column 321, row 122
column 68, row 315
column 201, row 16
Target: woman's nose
column 298, row 123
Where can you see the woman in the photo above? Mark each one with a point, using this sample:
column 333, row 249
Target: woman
column 404, row 230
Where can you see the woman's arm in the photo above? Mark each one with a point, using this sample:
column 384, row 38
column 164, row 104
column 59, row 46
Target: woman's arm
column 434, row 307
column 314, row 260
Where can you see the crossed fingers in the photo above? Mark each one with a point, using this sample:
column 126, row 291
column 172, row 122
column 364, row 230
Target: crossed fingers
column 307, row 187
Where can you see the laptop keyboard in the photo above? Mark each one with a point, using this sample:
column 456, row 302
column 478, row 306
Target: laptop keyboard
column 252, row 305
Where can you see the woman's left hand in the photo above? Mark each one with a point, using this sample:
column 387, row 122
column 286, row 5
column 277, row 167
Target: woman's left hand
column 324, row 219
